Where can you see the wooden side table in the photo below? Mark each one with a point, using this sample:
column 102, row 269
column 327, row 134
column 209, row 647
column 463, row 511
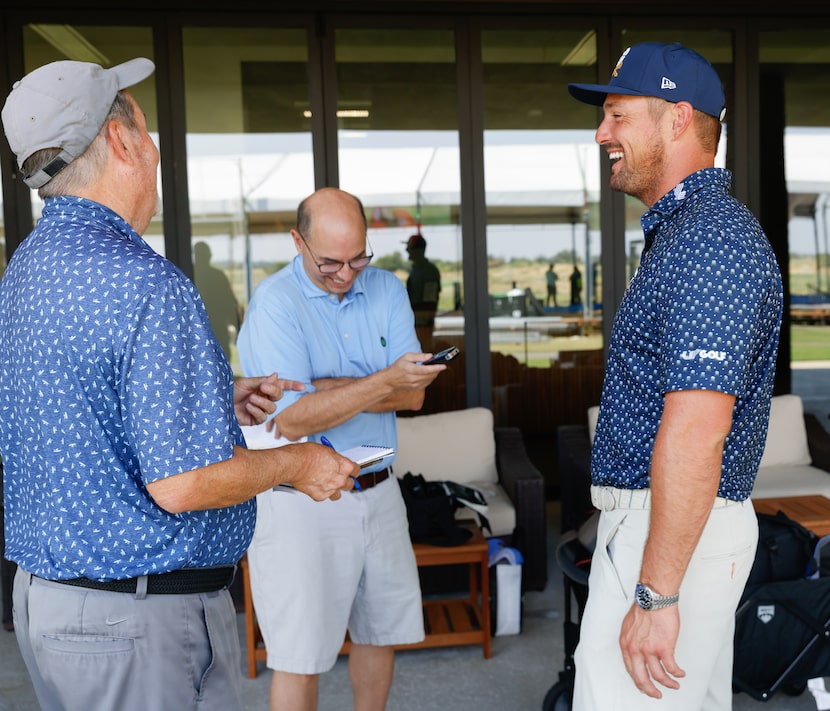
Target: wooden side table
column 455, row 621
column 811, row 511
column 458, row 621
column 447, row 623
column 254, row 644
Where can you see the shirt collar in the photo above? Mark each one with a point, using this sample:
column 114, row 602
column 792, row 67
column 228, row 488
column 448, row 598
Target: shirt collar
column 82, row 209
column 718, row 178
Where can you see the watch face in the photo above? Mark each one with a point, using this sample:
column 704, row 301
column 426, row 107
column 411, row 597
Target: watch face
column 643, row 597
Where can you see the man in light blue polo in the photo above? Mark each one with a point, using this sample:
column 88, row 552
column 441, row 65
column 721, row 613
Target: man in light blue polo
column 685, row 402
column 345, row 330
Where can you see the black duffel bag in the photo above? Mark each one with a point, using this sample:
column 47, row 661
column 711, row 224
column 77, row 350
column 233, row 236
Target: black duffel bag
column 785, row 550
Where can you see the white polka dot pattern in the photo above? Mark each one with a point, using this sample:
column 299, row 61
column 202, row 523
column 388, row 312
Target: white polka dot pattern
column 703, row 312
column 110, row 378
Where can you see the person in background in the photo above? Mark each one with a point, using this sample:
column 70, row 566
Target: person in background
column 345, row 330
column 424, row 287
column 550, row 278
column 215, row 289
column 128, row 488
column 685, row 402
column 576, row 286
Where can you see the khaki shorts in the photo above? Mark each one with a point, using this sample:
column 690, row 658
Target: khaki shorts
column 318, row 568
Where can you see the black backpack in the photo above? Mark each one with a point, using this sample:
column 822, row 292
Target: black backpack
column 785, row 550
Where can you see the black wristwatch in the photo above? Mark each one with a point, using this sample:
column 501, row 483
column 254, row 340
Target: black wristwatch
column 647, row 599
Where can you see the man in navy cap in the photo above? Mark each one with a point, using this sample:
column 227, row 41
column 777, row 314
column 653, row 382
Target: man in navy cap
column 685, row 403
column 424, row 287
column 128, row 488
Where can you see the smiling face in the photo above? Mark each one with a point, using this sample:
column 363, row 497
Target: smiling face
column 337, row 234
column 633, row 133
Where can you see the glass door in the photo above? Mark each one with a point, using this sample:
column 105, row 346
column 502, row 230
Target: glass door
column 795, row 85
column 543, row 242
column 397, row 138
column 249, row 163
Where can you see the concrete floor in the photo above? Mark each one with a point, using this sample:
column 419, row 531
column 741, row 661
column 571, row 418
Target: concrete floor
column 517, row 677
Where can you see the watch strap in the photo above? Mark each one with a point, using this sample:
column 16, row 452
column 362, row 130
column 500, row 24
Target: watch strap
column 647, row 599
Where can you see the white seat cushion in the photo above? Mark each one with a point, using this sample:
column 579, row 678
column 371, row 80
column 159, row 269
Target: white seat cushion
column 500, row 511
column 786, row 444
column 774, row 482
column 454, row 446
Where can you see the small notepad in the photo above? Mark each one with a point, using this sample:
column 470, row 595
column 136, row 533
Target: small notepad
column 367, row 454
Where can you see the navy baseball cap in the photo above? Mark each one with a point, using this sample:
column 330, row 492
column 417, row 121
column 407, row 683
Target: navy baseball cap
column 668, row 71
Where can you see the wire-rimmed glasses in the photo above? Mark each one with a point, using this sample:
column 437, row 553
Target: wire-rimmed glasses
column 332, row 267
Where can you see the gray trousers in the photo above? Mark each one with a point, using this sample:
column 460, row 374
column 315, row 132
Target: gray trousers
column 89, row 650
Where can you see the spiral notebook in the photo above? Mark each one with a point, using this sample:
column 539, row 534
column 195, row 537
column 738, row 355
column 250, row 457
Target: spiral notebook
column 367, row 454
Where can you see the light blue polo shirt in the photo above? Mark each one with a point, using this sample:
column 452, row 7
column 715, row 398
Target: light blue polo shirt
column 303, row 333
column 110, row 379
column 703, row 312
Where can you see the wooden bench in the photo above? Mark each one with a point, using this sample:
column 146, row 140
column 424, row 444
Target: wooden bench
column 447, row 623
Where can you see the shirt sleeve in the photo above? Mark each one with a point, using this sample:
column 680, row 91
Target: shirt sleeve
column 272, row 341
column 712, row 293
column 177, row 384
column 401, row 318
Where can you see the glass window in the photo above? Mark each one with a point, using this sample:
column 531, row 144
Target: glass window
column 398, row 152
column 796, row 65
column 107, row 46
column 543, row 242
column 249, row 162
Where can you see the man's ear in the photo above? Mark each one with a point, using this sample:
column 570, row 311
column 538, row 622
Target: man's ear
column 682, row 114
column 297, row 240
column 120, row 140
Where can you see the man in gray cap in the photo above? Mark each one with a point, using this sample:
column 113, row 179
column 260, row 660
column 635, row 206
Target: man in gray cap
column 685, row 402
column 128, row 489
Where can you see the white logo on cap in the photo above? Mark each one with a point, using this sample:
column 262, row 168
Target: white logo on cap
column 620, row 62
column 667, row 83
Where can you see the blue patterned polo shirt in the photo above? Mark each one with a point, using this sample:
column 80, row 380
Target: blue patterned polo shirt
column 110, row 379
column 703, row 312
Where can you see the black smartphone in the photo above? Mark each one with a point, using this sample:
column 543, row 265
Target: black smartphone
column 444, row 356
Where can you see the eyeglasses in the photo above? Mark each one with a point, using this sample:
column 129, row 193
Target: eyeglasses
column 332, row 267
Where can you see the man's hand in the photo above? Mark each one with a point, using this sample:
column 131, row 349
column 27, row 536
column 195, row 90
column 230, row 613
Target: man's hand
column 322, row 473
column 254, row 398
column 408, row 373
column 647, row 641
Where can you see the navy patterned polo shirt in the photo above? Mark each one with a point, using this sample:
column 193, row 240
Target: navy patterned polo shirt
column 110, row 378
column 703, row 312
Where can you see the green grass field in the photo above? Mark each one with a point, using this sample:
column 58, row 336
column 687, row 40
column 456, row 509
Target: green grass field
column 810, row 343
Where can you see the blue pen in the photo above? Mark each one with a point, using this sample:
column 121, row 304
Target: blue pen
column 325, row 442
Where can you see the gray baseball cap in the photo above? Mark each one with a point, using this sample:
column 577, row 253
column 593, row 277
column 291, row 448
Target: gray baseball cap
column 64, row 105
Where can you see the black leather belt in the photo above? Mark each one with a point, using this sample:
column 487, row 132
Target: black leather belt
column 187, row 581
column 367, row 481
